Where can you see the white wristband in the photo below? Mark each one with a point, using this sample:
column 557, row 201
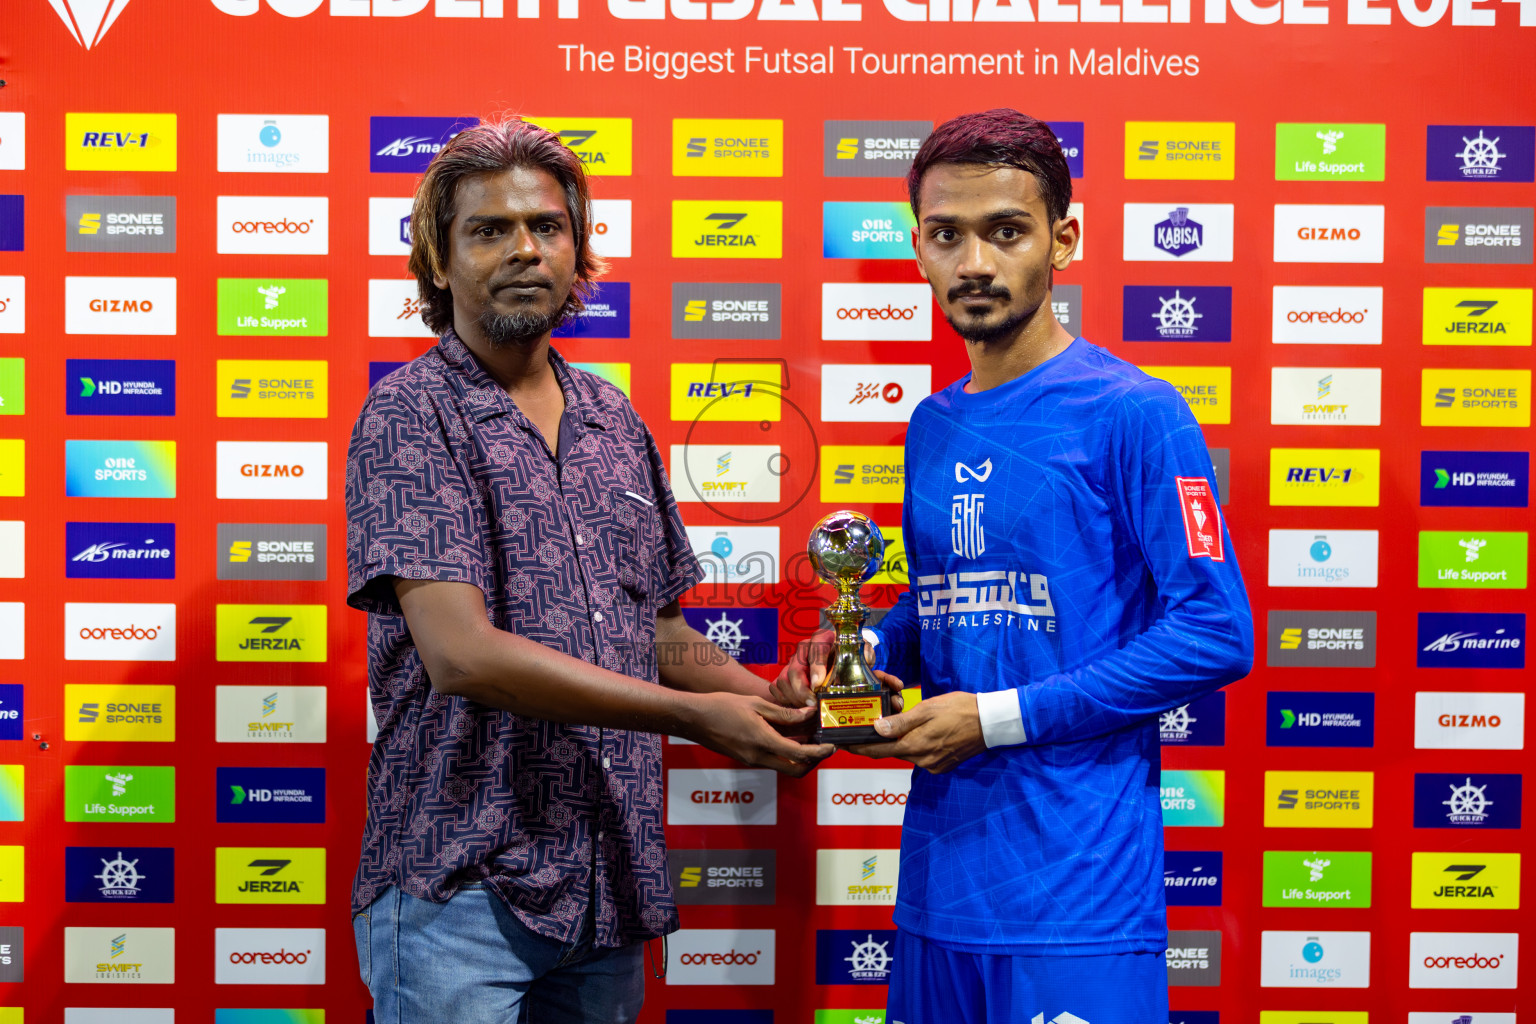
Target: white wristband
column 1002, row 721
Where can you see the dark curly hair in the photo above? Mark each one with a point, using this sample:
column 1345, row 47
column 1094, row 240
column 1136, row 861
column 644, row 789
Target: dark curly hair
column 1001, row 135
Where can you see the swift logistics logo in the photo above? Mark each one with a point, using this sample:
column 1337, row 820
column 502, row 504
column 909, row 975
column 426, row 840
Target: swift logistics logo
column 1319, row 799
column 1332, row 477
column 722, row 877
column 1193, row 958
column 1471, row 640
column 1326, row 315
column 1473, row 559
column 119, row 632
column 119, row 713
column 1475, row 398
column 722, row 796
column 1468, row 721
column 1176, row 313
column 1207, row 389
column 1327, row 878
column 1479, row 152
column 726, row 473
column 120, row 387
column 727, row 229
column 1180, row 150
column 271, row 795
column 1192, row 878
column 748, row 635
column 1477, row 316
column 120, row 305
column 272, row 551
column 714, row 148
column 871, row 149
column 1313, row 233
column 1477, row 234
column 1467, row 800
column 1468, row 881
column 120, row 551
column 274, row 225
column 1200, row 723
column 120, row 469
column 1319, row 639
column 1463, row 960
column 119, row 874
column 1319, row 719
column 274, row 307
column 606, row 145
column 1318, row 395
column 726, row 391
column 119, row 142
column 1189, row 233
column 275, row 143
column 268, row 875
column 119, row 223
column 1450, row 479
column 270, row 714
column 867, row 231
column 270, row 632
column 606, row 314
column 272, row 470
column 1193, row 797
column 120, row 956
column 97, row 792
column 861, row 877
column 862, row 473
column 1315, row 960
column 716, row 311
column 272, row 388
column 1330, row 152
column 405, row 145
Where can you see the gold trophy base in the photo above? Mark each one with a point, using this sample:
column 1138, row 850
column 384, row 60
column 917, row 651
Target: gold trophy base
column 844, row 719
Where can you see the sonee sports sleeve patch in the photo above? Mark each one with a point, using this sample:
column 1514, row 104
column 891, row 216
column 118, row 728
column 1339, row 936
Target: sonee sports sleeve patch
column 1202, row 522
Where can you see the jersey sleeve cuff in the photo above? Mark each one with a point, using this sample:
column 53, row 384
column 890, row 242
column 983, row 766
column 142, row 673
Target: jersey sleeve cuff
column 1002, row 721
column 877, row 649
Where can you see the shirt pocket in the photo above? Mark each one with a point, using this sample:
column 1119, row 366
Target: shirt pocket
column 637, row 533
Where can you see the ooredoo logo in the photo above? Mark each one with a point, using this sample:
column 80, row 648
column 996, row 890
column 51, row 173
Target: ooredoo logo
column 862, row 796
column 721, row 796
column 119, row 632
column 1463, row 959
column 1315, row 315
column 289, row 225
column 876, row 312
column 722, row 956
column 269, row 956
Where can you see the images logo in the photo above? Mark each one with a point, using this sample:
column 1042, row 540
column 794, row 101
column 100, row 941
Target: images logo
column 406, row 145
column 873, row 393
column 1318, row 799
column 289, row 225
column 1319, row 315
column 1475, row 398
column 278, row 143
column 1297, row 878
column 120, row 469
column 274, row 470
column 1192, row 879
column 1469, row 721
column 1477, row 234
column 1469, row 152
column 271, row 795
column 270, row 714
column 1194, row 958
column 876, row 312
column 119, row 713
column 272, row 551
column 1177, row 313
column 727, row 148
column 1477, row 316
column 119, row 142
column 1183, row 150
column 274, row 307
column 726, row 391
column 727, row 311
column 119, row 793
column 1315, row 395
column 1200, row 723
column 1303, row 639
column 722, row 956
column 1471, row 640
column 871, row 149
column 1466, row 800
column 120, row 305
column 267, row 388
column 1329, row 234
column 1315, row 960
column 736, row 554
column 292, row 875
column 1320, row 719
column 721, row 796
column 727, row 229
column 269, row 956
column 862, row 473
column 119, row 874
column 856, row 877
column 867, row 231
column 716, row 877
column 1484, row 560
column 1194, row 798
column 604, row 144
column 1473, row 881
column 120, row 223
column 1193, row 233
column 270, row 632
column 120, row 387
column 1330, row 152
column 606, row 314
column 1463, row 960
column 748, row 635
column 1207, row 389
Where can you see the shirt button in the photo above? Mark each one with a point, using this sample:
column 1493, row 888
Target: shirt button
column 580, row 539
column 606, row 761
column 597, row 616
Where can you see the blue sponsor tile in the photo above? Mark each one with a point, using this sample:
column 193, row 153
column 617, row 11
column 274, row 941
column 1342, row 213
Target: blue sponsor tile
column 271, row 795
column 13, row 712
column 1320, row 719
column 1480, row 152
column 1177, row 313
column 750, row 635
column 119, row 874
column 120, row 387
column 862, row 956
column 606, row 314
column 1466, row 800
column 407, row 144
column 1201, row 723
column 1474, row 479
column 120, row 551
column 1070, row 135
column 1471, row 640
column 1192, row 878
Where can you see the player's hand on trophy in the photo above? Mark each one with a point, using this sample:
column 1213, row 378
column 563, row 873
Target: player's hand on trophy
column 936, row 735
column 751, row 730
column 808, row 667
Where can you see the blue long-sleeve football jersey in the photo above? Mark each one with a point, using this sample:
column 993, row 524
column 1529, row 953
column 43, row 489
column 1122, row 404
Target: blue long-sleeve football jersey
column 1064, row 540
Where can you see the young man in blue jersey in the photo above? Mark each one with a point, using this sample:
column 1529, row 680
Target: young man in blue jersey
column 1071, row 579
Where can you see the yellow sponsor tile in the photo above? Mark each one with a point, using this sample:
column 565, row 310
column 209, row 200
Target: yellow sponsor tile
column 1475, row 398
column 1319, row 799
column 606, row 145
column 727, row 391
column 273, row 388
column 119, row 142
column 1331, row 477
column 719, row 229
column 266, row 874
column 119, row 712
column 1466, row 881
column 270, row 632
column 1477, row 316
column 1207, row 389
column 727, row 148
column 862, row 473
column 1180, row 150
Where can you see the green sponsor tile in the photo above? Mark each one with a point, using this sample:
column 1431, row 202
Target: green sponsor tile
column 1472, row 559
column 1330, row 152
column 112, row 792
column 274, row 307
column 850, row 1017
column 1297, row 878
column 13, row 387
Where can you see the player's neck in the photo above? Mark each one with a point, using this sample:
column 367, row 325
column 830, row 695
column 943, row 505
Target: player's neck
column 995, row 363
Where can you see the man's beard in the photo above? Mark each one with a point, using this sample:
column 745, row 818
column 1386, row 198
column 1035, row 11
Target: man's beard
column 509, row 330
column 985, row 333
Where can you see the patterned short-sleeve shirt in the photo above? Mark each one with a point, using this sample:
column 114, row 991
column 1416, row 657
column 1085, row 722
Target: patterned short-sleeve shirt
column 448, row 480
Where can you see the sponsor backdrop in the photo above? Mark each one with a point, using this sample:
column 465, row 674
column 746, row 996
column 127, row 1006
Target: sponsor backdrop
column 1305, row 215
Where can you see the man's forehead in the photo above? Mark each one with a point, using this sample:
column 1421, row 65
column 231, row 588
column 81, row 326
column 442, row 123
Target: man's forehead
column 513, row 187
column 979, row 187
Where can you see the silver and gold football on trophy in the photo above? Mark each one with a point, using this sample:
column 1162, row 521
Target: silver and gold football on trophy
column 846, row 549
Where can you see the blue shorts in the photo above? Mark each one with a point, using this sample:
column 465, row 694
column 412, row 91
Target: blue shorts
column 932, row 984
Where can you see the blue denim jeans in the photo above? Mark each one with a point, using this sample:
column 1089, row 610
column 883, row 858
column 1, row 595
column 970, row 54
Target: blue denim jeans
column 471, row 961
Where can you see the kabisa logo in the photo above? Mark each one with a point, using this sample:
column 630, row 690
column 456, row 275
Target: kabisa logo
column 265, row 875
column 1192, row 879
column 1477, row 234
column 1200, row 723
column 1194, row 958
column 256, row 632
column 271, row 795
column 606, row 314
column 120, row 387
column 277, row 143
column 119, row 142
column 726, row 311
column 389, row 225
column 867, row 231
column 1471, row 640
column 727, row 229
column 120, row 223
column 120, row 305
column 407, row 144
column 1308, row 719
column 722, row 876
column 747, row 635
column 605, row 145
column 727, row 148
column 1185, row 150
column 871, row 149
column 88, row 20
column 109, row 874
column 1466, row 152
column 1178, row 235
column 854, row 957
column 1177, row 313
column 1477, row 316
column 1466, row 800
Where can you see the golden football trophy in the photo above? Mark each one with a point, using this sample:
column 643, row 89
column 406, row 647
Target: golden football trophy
column 846, row 549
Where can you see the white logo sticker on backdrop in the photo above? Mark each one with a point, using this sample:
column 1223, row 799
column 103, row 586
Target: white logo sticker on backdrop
column 1468, row 721
column 876, row 312
column 269, row 956
column 119, row 632
column 389, row 226
column 722, row 796
column 873, row 392
column 394, row 309
column 275, row 143
column 119, row 305
column 1463, row 960
column 1326, row 315
column 612, row 227
column 278, row 470
column 282, row 225
column 1323, row 558
column 862, row 796
column 721, row 956
column 13, row 304
column 1329, row 234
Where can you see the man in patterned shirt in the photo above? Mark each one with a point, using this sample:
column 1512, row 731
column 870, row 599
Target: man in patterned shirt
column 512, row 534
